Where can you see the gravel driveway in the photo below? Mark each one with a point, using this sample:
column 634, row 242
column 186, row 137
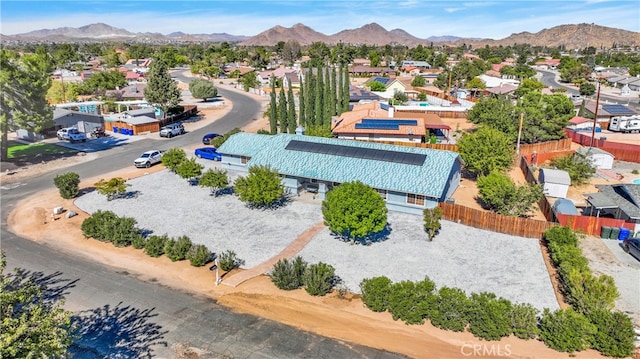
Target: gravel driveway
column 468, row 258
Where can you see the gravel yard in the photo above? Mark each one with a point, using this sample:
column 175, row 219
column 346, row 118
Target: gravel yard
column 468, row 258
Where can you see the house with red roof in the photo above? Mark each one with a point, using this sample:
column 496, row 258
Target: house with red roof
column 579, row 123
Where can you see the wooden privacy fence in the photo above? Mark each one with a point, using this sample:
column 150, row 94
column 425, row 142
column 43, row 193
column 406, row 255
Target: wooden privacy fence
column 544, row 147
column 522, row 227
column 592, row 225
column 621, row 151
column 435, row 146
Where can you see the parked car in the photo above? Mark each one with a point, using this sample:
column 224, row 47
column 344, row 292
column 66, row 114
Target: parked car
column 632, row 246
column 209, row 153
column 71, row 134
column 171, row 130
column 148, row 159
column 206, row 140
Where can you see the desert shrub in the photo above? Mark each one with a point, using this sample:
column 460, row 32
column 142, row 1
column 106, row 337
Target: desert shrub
column 561, row 235
column 567, row 258
column 449, row 310
column 229, row 260
column 586, row 292
column 565, row 330
column 154, row 247
column 410, row 301
column 524, row 321
column 198, row 255
column 432, row 225
column 96, row 226
column 173, row 158
column 580, row 168
column 287, row 275
column 67, row 184
column 375, row 293
column 489, row 317
column 139, row 242
column 176, row 249
column 319, row 279
column 614, row 336
column 123, row 231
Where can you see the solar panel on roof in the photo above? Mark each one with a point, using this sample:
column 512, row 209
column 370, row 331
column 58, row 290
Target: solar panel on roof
column 377, row 126
column 617, row 109
column 416, row 159
column 390, row 121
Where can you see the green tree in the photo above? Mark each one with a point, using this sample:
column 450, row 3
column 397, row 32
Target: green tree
column 24, row 82
column 418, row 81
column 282, row 111
column 354, row 210
column 586, row 292
column 177, row 249
column 400, row 98
column 249, row 81
column 273, row 108
column 432, row 217
column 68, row 184
column 112, row 188
column 291, row 111
column 189, row 169
column 376, row 86
column 375, row 293
column 528, row 85
column 580, row 169
column 500, row 194
column 203, row 89
column 173, row 158
column 261, row 188
column 34, row 323
column 495, row 112
column 475, row 85
column 486, row 150
column 161, row 91
column 216, row 179
column 60, row 92
column 565, row 330
column 587, row 88
column 318, row 279
column 105, row 80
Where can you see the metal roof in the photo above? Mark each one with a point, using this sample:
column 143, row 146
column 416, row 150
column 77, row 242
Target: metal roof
column 587, row 151
column 555, row 176
column 430, row 178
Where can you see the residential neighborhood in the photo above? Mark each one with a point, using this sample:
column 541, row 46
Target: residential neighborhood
column 477, row 192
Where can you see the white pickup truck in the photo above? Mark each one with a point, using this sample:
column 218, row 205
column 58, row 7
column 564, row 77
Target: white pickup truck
column 71, row 134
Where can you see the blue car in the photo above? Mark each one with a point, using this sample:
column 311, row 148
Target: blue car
column 208, row 137
column 209, row 153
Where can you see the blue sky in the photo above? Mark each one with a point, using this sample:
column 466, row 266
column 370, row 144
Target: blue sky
column 420, row 18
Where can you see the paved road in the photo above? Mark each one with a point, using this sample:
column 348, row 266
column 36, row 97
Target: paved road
column 124, row 317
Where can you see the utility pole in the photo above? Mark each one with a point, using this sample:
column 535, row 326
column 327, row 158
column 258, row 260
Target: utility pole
column 519, row 133
column 595, row 116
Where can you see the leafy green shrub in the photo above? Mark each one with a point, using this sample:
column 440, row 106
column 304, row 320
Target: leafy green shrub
column 199, row 255
column 449, row 310
column 155, row 245
column 123, row 231
column 67, row 184
column 229, row 260
column 287, row 275
column 96, row 226
column 139, row 242
column 319, row 279
column 432, row 217
column 635, row 171
column 375, row 293
column 261, row 188
column 524, row 321
column 615, row 334
column 189, row 169
column 177, row 249
column 586, row 292
column 580, row 168
column 111, row 188
column 499, row 193
column 410, row 301
column 565, row 330
column 173, row 158
column 489, row 317
column 561, row 235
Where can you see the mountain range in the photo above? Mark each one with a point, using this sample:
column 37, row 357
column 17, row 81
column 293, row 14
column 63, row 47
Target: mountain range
column 569, row 36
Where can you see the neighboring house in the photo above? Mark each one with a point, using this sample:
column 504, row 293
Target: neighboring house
column 491, row 81
column 503, row 89
column 84, row 122
column 578, row 123
column 619, row 201
column 362, row 95
column 419, row 64
column 606, row 112
column 551, row 64
column 410, row 179
column 599, row 158
column 131, row 92
column 137, row 121
column 555, row 182
column 360, row 70
column 291, row 79
column 392, row 86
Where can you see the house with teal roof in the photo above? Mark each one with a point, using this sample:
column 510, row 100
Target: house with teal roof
column 410, row 179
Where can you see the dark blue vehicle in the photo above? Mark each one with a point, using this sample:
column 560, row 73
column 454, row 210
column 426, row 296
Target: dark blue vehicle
column 209, row 153
column 632, row 246
column 208, row 137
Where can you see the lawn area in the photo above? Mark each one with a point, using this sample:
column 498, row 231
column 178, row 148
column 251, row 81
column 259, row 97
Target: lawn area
column 17, row 149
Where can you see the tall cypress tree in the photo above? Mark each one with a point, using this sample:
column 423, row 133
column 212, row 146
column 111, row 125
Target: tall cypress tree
column 340, row 90
column 326, row 98
column 273, row 110
column 302, row 117
column 310, row 98
column 282, row 111
column 318, row 99
column 345, row 94
column 332, row 92
column 291, row 114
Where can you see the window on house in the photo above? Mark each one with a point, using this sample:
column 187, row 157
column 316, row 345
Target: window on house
column 415, row 199
column 244, row 159
column 314, row 180
column 382, row 193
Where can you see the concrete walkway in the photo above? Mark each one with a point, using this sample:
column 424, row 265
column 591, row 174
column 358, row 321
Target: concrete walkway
column 294, row 248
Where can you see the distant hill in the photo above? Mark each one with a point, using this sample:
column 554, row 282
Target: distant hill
column 569, row 36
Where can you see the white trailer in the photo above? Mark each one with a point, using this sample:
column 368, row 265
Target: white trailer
column 625, row 124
